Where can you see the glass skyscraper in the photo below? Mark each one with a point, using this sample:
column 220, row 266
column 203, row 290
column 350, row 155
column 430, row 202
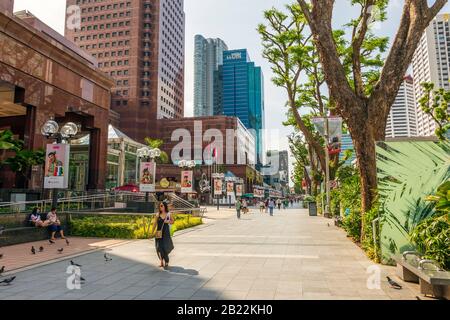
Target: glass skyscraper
column 243, row 94
column 208, row 58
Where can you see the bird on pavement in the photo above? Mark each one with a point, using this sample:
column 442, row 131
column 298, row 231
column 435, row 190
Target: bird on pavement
column 51, row 241
column 393, row 284
column 67, row 241
column 33, row 250
column 41, row 249
column 82, row 279
column 328, row 224
column 8, row 281
column 1, row 255
column 418, row 298
column 75, row 264
column 2, row 269
column 107, row 258
column 61, row 250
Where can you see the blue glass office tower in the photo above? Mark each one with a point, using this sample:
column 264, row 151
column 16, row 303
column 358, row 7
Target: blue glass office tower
column 243, row 94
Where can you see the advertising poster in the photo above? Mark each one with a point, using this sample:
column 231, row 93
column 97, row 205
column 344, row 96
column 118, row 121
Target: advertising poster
column 186, row 181
column 258, row 193
column 230, row 188
column 239, row 189
column 147, row 177
column 218, row 183
column 57, row 166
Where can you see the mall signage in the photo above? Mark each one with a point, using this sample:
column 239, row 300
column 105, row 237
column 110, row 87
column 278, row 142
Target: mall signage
column 57, row 166
column 147, row 177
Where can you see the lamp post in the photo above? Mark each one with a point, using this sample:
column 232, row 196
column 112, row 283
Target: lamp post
column 148, row 154
column 51, row 130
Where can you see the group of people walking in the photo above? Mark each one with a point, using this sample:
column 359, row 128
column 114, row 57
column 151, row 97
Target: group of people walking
column 266, row 206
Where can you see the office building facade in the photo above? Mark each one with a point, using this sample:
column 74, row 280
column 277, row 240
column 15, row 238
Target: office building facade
column 243, row 94
column 431, row 64
column 402, row 121
column 141, row 45
column 208, row 56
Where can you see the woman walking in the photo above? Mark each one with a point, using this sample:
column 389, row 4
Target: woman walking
column 238, row 208
column 163, row 240
column 271, row 206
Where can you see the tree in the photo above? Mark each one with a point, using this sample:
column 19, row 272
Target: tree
column 364, row 99
column 157, row 143
column 287, row 49
column 7, row 141
column 435, row 104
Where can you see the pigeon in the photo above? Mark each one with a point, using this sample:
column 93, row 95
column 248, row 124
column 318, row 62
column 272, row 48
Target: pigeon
column 107, row 258
column 1, row 255
column 418, row 298
column 8, row 281
column 51, row 241
column 41, row 249
column 328, row 224
column 67, row 241
column 33, row 250
column 2, row 269
column 61, row 250
column 75, row 264
column 393, row 284
column 82, row 279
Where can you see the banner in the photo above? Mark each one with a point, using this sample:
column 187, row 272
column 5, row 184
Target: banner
column 218, row 183
column 187, row 182
column 239, row 190
column 57, row 166
column 147, row 177
column 230, row 188
column 258, row 193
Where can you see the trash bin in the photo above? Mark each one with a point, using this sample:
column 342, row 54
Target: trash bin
column 312, row 207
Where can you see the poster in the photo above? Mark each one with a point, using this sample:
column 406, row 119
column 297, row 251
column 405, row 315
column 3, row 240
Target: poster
column 147, row 177
column 218, row 183
column 239, row 189
column 230, row 188
column 57, row 166
column 258, row 193
column 186, row 181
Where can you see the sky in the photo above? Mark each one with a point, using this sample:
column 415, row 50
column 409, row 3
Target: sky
column 235, row 22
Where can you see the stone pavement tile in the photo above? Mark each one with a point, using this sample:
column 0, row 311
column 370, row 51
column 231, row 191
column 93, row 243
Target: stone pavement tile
column 260, row 295
column 287, row 296
column 98, row 295
column 121, row 297
column 240, row 285
column 181, row 293
column 263, row 284
column 135, row 290
column 317, row 296
column 193, row 283
column 233, row 295
column 292, row 287
column 206, row 294
column 155, row 293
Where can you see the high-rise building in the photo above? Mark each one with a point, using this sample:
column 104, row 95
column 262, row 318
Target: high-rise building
column 243, row 94
column 208, row 56
column 140, row 43
column 431, row 64
column 402, row 120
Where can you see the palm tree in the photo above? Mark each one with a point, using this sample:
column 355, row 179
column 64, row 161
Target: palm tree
column 157, row 143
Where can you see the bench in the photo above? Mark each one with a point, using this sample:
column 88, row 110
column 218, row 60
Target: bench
column 432, row 280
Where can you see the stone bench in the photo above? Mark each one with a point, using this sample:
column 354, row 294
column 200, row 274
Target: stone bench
column 433, row 281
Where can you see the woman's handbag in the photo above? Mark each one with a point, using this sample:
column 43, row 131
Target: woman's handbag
column 158, row 233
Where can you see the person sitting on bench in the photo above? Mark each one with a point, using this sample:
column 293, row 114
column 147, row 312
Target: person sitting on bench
column 54, row 224
column 36, row 220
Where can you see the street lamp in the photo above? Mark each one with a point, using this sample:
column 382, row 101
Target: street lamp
column 51, row 130
column 186, row 164
column 149, row 154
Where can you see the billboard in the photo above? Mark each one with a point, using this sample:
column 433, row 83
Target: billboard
column 230, row 188
column 147, row 177
column 239, row 190
column 218, row 183
column 57, row 166
column 258, row 193
column 187, row 185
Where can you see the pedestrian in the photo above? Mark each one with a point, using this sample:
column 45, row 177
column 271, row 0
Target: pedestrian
column 292, row 203
column 266, row 205
column 271, row 206
column 279, row 204
column 238, row 208
column 54, row 224
column 261, row 206
column 244, row 206
column 163, row 240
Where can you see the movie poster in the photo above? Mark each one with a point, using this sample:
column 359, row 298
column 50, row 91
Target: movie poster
column 57, row 166
column 147, row 177
column 239, row 190
column 186, row 182
column 218, row 183
column 230, row 188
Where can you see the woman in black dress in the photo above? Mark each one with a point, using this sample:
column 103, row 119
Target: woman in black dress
column 163, row 241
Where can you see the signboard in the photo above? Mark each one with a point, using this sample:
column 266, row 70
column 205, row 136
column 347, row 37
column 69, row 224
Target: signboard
column 218, row 184
column 230, row 188
column 187, row 182
column 147, row 177
column 239, row 190
column 57, row 166
column 258, row 193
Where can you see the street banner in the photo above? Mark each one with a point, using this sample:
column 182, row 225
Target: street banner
column 258, row 193
column 147, row 177
column 57, row 166
column 218, row 184
column 239, row 189
column 186, row 182
column 230, row 188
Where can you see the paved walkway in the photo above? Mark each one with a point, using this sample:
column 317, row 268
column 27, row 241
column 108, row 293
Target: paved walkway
column 288, row 256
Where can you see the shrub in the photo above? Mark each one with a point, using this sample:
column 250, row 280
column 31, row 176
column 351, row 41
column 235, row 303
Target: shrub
column 432, row 239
